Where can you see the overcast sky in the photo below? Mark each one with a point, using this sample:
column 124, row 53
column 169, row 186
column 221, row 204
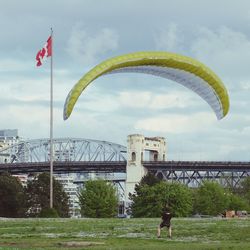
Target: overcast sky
column 215, row 32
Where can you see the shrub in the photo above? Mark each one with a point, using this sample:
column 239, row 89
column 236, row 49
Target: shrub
column 48, row 213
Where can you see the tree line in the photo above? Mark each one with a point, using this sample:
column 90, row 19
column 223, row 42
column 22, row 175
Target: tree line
column 33, row 199
column 98, row 198
column 210, row 198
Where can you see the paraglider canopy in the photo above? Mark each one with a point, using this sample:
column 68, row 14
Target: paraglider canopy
column 181, row 69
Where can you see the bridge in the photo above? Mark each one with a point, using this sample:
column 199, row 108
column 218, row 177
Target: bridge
column 192, row 173
column 76, row 155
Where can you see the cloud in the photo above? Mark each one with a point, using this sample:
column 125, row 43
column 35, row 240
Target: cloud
column 86, row 48
column 150, row 100
column 169, row 38
column 32, row 121
column 10, row 65
column 245, row 85
column 224, row 49
column 227, row 51
column 176, row 123
column 135, row 99
column 99, row 103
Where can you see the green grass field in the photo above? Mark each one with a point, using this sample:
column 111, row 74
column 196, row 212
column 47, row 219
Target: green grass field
column 188, row 234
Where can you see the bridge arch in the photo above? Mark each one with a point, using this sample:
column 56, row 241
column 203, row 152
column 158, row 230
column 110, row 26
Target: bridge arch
column 65, row 149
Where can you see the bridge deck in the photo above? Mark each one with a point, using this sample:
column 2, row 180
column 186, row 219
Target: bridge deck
column 197, row 165
column 65, row 167
column 120, row 166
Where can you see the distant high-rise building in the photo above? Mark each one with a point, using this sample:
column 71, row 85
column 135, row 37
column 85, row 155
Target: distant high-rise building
column 71, row 190
column 8, row 137
column 8, row 133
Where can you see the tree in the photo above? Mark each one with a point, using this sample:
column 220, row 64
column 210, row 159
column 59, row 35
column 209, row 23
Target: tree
column 148, row 201
column 244, row 189
column 149, row 179
column 211, row 199
column 98, row 199
column 38, row 196
column 12, row 197
column 237, row 203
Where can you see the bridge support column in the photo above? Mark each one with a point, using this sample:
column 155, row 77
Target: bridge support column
column 137, row 145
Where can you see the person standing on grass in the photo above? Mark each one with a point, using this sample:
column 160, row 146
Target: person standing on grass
column 166, row 222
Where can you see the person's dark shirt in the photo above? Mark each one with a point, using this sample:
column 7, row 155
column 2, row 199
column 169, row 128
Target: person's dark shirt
column 166, row 217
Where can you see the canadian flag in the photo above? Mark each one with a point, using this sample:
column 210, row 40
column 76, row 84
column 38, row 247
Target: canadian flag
column 45, row 52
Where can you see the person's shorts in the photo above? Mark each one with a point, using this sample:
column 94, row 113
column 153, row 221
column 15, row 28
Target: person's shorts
column 164, row 224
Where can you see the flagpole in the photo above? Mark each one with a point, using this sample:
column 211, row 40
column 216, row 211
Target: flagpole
column 51, row 123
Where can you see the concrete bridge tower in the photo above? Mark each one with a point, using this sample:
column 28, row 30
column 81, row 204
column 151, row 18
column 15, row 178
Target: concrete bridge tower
column 137, row 145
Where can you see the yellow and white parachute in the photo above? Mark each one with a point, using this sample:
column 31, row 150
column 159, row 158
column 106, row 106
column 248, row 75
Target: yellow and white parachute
column 181, row 69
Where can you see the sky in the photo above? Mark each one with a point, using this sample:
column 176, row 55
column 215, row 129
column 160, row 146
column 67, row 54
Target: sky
column 86, row 32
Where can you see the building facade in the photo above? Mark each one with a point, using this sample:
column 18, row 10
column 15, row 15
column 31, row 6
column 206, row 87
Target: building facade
column 8, row 137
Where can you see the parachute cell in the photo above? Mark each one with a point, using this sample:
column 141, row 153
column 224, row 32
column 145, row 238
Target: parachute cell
column 184, row 70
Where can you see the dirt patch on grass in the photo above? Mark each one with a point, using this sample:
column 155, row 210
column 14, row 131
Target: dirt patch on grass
column 80, row 244
column 13, row 245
